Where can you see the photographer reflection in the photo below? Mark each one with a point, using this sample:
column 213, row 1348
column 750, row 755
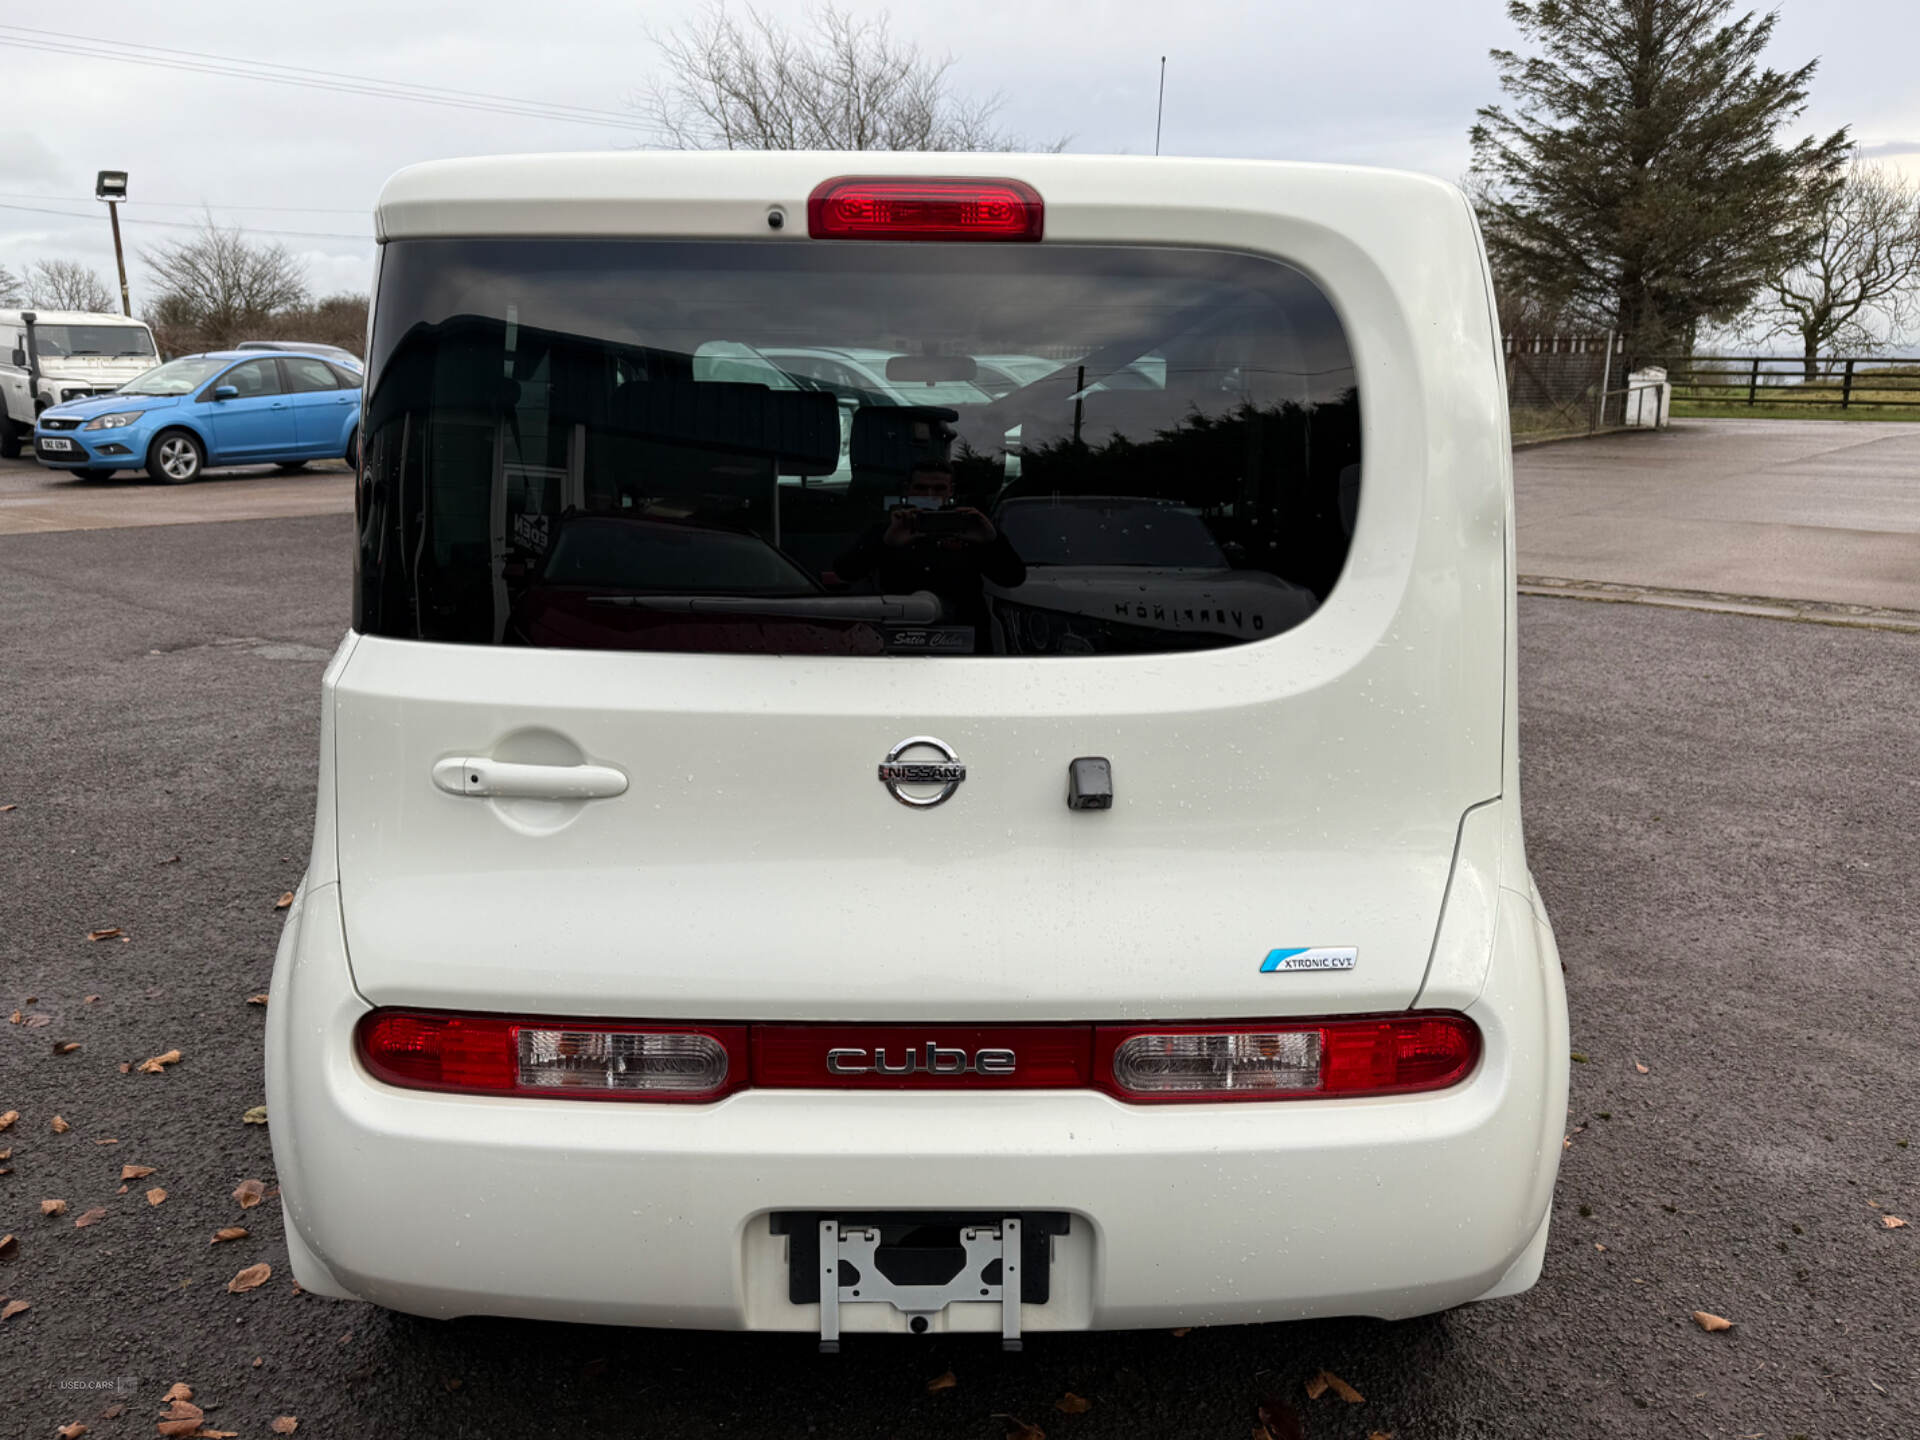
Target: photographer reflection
column 929, row 543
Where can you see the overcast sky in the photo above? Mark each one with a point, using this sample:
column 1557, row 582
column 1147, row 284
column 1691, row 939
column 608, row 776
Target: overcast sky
column 1379, row 82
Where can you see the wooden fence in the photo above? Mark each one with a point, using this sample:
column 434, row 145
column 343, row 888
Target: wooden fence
column 1828, row 382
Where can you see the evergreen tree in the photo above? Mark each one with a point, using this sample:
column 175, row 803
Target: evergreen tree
column 1636, row 173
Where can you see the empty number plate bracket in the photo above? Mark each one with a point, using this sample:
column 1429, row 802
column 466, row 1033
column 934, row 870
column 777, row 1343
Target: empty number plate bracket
column 854, row 1247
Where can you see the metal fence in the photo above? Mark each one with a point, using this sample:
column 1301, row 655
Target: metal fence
column 1564, row 384
column 1827, row 382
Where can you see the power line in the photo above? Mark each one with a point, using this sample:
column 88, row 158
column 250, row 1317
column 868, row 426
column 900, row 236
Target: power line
column 90, row 47
column 190, row 225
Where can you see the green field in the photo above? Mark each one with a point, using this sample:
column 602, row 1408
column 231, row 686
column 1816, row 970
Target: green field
column 1721, row 410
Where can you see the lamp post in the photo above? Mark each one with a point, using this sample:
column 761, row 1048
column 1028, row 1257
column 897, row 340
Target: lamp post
column 110, row 186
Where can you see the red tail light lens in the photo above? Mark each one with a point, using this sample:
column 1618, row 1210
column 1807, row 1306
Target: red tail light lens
column 1324, row 1059
column 1146, row 1064
column 571, row 1059
column 923, row 1057
column 881, row 208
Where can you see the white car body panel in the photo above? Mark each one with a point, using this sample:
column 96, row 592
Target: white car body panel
column 1349, row 782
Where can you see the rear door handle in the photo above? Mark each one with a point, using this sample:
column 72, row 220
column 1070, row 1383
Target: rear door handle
column 510, row 780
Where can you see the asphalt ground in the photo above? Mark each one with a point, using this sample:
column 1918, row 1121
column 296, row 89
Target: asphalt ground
column 1721, row 811
column 1823, row 510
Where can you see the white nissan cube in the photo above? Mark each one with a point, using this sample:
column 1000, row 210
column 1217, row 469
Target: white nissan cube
column 927, row 743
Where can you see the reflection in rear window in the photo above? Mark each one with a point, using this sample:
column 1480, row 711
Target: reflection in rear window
column 819, row 448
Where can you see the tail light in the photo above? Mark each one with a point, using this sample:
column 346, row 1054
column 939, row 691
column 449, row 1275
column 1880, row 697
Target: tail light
column 1144, row 1064
column 1322, row 1059
column 889, row 208
column 571, row 1059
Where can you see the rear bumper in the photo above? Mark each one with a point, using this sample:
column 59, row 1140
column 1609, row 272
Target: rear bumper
column 658, row 1215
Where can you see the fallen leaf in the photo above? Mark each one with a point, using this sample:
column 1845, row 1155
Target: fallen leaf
column 153, row 1065
column 1379, row 1435
column 65, row 1047
column 15, row 1018
column 71, row 1432
column 256, row 1115
column 284, row 901
column 135, row 1172
column 182, row 1418
column 1021, row 1430
column 1072, row 1404
column 942, row 1382
column 6, row 1154
column 156, row 1195
column 251, row 1278
column 108, row 1140
column 35, row 1022
column 259, row 999
column 53, row 1207
column 112, row 932
column 1184, row 1330
column 1278, row 1421
column 8, row 1118
column 125, row 1067
column 9, row 1247
column 249, row 1193
column 1641, row 1068
column 284, row 1424
column 13, row 806
column 1892, row 1222
column 205, row 1434
column 13, row 1308
column 1326, row 1380
column 90, row 1217
column 1598, row 1246
column 1577, row 1057
column 122, row 1190
column 171, row 860
column 113, row 1411
column 228, row 1232
column 1710, row 1323
column 91, row 1000
column 177, row 1391
column 60, row 1126
column 258, row 1361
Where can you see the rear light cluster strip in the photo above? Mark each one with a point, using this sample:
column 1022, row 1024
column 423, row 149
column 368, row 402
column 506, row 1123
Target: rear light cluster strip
column 1142, row 1064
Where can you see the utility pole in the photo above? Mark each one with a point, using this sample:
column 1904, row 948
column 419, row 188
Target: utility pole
column 1161, row 109
column 110, row 186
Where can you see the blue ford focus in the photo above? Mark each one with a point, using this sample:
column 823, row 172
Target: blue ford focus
column 226, row 407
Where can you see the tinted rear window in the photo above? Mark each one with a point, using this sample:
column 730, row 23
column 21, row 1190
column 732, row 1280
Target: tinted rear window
column 845, row 448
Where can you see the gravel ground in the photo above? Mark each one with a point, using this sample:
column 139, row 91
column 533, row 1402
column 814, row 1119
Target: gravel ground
column 1721, row 812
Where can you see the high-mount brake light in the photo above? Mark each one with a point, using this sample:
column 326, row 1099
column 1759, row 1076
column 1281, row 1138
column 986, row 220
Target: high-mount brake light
column 565, row 1059
column 1286, row 1060
column 890, row 208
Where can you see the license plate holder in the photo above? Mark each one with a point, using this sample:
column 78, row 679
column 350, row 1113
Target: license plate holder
column 919, row 1262
column 56, row 442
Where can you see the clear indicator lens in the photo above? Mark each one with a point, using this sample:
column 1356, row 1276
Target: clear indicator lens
column 1220, row 1063
column 657, row 1062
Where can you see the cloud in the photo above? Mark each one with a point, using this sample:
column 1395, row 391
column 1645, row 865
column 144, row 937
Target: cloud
column 25, row 159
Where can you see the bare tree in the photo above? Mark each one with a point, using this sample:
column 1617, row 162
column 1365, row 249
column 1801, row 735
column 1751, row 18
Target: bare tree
column 69, row 285
column 1859, row 285
column 842, row 84
column 11, row 295
column 220, row 284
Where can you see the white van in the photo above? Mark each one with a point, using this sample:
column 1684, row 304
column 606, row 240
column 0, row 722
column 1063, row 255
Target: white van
column 1059, row 868
column 48, row 357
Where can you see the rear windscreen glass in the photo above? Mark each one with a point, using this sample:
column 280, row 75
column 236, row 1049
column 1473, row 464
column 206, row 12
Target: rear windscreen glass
column 850, row 448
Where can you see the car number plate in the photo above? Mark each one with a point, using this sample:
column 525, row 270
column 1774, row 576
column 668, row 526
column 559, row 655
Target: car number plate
column 51, row 442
